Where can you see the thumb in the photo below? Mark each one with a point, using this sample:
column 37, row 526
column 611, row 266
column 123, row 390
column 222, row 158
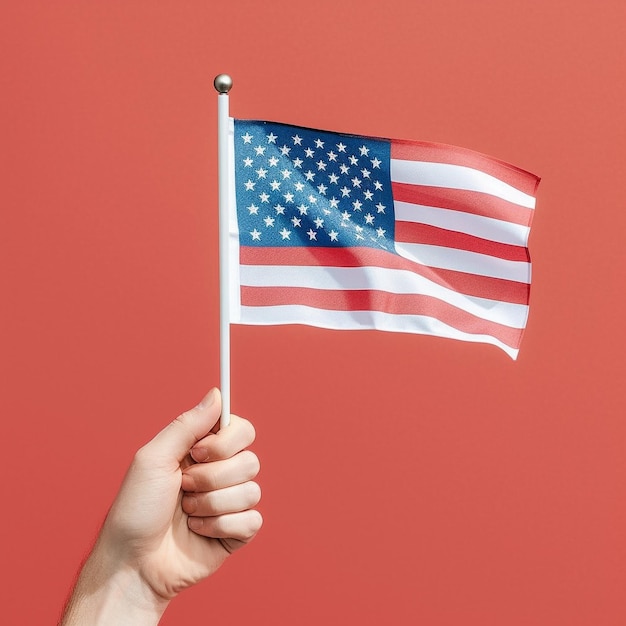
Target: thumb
column 179, row 436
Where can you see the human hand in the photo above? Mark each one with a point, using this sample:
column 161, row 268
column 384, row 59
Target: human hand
column 186, row 503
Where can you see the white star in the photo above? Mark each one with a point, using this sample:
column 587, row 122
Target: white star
column 247, row 138
column 319, row 222
column 297, row 140
column 309, row 175
column 303, row 208
column 359, row 229
column 269, row 221
column 356, row 182
column 321, row 165
column 254, row 209
column 297, row 162
column 380, row 231
column 260, row 150
column 249, row 185
column 368, row 194
column 359, row 237
column 364, row 150
column 327, row 211
column 309, row 152
column 284, row 233
column 273, row 161
column 332, row 156
column 299, row 186
column 380, row 208
column 261, row 173
column 369, row 218
column 271, row 138
column 366, row 173
column 378, row 185
column 280, row 209
column 248, row 162
column 334, row 203
column 286, row 173
column 256, row 235
column 333, row 178
column 341, row 147
column 296, row 221
column 353, row 160
column 333, row 235
column 285, row 150
column 288, row 197
column 344, row 168
column 275, row 185
column 312, row 199
column 312, row 234
column 265, row 197
column 357, row 205
column 345, row 192
column 322, row 189
column 345, row 216
column 376, row 162
column 319, row 143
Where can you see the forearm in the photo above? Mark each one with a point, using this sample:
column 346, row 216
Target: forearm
column 107, row 593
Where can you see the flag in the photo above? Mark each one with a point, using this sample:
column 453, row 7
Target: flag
column 350, row 232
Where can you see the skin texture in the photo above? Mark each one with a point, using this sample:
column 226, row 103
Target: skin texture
column 186, row 503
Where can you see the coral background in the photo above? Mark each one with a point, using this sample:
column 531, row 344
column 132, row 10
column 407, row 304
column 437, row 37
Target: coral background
column 407, row 479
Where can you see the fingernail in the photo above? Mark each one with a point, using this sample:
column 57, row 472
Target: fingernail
column 210, row 397
column 190, row 504
column 200, row 455
column 208, row 400
column 188, row 483
column 195, row 523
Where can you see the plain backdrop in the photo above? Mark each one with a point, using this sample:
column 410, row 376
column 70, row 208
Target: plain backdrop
column 406, row 479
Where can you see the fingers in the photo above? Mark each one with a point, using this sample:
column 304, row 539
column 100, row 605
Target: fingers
column 178, row 437
column 219, row 496
column 241, row 526
column 218, row 490
column 239, row 434
column 203, row 477
column 229, row 500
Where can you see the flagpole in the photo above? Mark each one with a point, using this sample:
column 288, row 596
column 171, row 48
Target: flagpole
column 223, row 84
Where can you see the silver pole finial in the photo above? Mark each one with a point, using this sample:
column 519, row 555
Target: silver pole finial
column 223, row 83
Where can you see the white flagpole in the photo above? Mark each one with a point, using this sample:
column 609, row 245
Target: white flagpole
column 223, row 84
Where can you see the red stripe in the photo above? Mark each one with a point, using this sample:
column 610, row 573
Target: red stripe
column 469, row 284
column 369, row 300
column 441, row 153
column 473, row 202
column 411, row 232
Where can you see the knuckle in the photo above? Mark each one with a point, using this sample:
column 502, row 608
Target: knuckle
column 249, row 430
column 251, row 462
column 253, row 493
column 254, row 521
column 219, row 448
column 212, row 479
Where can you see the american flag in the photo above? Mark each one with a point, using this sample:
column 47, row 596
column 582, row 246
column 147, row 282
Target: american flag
column 350, row 232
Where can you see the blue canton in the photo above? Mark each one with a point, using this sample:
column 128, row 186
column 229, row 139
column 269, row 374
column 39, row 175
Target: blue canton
column 302, row 187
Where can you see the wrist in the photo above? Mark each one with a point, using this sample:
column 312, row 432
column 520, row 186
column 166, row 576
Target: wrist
column 111, row 592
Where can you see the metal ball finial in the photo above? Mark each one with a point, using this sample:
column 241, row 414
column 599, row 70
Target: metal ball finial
column 223, row 83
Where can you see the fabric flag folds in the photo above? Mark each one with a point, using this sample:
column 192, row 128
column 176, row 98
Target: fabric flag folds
column 349, row 232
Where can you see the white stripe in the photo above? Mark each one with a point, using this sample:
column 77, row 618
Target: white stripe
column 382, row 279
column 464, row 261
column 457, row 177
column 362, row 320
column 476, row 225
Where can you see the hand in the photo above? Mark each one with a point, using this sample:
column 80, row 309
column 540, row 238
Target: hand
column 184, row 506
